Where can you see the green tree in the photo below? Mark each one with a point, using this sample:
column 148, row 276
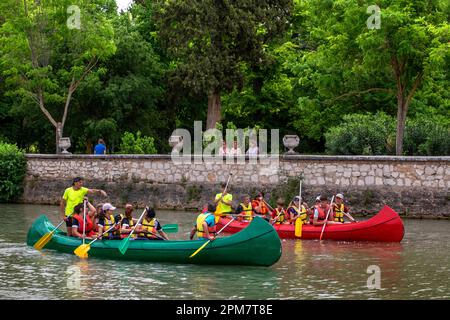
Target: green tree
column 50, row 47
column 211, row 40
column 345, row 59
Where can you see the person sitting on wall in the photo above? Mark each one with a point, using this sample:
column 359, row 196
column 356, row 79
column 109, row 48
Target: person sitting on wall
column 340, row 209
column 205, row 225
column 150, row 228
column 100, row 148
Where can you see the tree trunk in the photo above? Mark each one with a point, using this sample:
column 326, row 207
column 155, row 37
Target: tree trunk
column 59, row 132
column 214, row 108
column 401, row 122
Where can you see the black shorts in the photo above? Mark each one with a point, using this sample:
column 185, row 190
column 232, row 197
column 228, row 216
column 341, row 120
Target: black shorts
column 69, row 222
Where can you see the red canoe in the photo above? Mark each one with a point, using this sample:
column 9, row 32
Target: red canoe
column 385, row 226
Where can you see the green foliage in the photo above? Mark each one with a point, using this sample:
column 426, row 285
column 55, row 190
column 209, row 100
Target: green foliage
column 358, row 134
column 137, row 144
column 12, row 172
column 369, row 134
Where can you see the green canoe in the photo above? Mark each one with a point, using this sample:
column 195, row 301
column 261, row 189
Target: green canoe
column 256, row 245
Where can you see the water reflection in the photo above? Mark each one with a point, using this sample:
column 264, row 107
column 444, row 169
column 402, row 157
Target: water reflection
column 416, row 268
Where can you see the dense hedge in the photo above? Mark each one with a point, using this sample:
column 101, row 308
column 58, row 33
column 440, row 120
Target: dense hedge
column 374, row 134
column 12, row 172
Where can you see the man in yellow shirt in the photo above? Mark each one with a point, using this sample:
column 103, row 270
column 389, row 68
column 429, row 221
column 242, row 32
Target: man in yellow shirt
column 73, row 196
column 223, row 201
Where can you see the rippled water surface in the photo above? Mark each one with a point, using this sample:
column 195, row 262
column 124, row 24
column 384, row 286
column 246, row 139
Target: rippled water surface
column 417, row 268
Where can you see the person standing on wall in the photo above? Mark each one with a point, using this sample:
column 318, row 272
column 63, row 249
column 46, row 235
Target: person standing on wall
column 73, row 196
column 100, row 148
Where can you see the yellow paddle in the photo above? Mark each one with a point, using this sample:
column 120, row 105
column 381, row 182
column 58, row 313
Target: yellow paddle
column 206, row 243
column 298, row 222
column 83, row 249
column 48, row 236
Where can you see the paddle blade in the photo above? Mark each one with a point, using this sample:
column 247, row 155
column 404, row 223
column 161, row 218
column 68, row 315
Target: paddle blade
column 298, row 228
column 43, row 241
column 199, row 249
column 82, row 251
column 170, row 228
column 124, row 245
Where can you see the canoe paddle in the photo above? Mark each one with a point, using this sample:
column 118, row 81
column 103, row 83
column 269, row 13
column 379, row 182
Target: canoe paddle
column 83, row 249
column 326, row 219
column 126, row 242
column 206, row 243
column 298, row 221
column 48, row 236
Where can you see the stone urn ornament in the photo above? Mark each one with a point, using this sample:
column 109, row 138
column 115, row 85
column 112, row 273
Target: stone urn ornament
column 64, row 144
column 176, row 142
column 291, row 142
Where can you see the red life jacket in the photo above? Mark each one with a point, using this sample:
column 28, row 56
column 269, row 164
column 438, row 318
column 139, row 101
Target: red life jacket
column 89, row 231
column 322, row 213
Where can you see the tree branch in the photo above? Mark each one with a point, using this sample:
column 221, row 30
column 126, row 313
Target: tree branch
column 44, row 110
column 354, row 93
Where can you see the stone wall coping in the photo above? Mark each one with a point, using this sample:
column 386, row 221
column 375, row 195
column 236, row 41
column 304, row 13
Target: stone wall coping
column 282, row 157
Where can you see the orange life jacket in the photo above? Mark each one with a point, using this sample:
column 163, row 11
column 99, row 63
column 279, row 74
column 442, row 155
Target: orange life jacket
column 89, row 231
column 322, row 213
column 264, row 209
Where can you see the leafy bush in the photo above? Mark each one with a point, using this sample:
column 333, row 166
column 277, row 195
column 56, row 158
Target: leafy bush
column 427, row 137
column 363, row 134
column 138, row 144
column 12, row 172
column 374, row 134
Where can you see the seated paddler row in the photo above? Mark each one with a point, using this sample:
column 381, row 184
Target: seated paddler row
column 104, row 222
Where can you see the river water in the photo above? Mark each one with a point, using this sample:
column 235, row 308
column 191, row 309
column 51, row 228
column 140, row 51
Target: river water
column 417, row 268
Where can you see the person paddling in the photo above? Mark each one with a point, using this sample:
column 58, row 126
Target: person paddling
column 279, row 214
column 128, row 223
column 245, row 210
column 106, row 221
column 320, row 213
column 78, row 223
column 340, row 209
column 150, row 227
column 223, row 201
column 260, row 206
column 73, row 196
column 298, row 211
column 205, row 225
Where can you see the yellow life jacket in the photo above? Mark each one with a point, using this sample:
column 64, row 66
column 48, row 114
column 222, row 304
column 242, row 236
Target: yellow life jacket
column 303, row 216
column 108, row 223
column 130, row 224
column 281, row 216
column 200, row 219
column 247, row 211
column 149, row 226
column 339, row 212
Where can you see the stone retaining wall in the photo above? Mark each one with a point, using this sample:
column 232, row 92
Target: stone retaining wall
column 415, row 186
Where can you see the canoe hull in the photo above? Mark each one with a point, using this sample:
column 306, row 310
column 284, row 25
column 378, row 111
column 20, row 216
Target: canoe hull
column 259, row 246
column 386, row 226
